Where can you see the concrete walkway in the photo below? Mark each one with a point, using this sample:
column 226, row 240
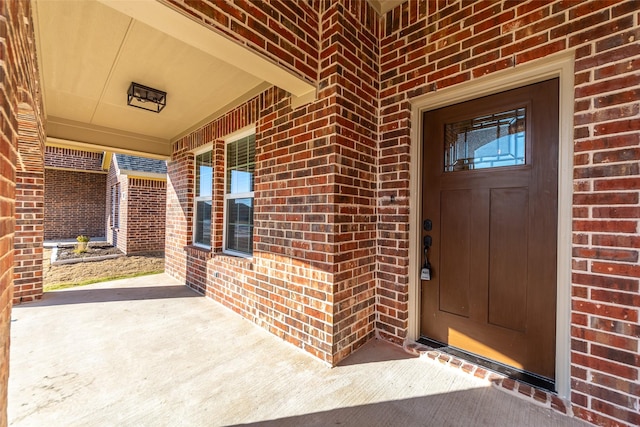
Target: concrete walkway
column 149, row 352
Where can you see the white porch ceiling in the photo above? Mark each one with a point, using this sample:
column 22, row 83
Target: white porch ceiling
column 90, row 51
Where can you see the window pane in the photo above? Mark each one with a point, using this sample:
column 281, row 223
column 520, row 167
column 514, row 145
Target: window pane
column 486, row 142
column 240, row 225
column 241, row 165
column 115, row 206
column 202, row 233
column 204, row 174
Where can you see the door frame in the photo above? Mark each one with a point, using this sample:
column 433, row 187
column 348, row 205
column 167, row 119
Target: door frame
column 558, row 65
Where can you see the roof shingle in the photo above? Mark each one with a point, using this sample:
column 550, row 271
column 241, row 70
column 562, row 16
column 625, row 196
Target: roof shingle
column 141, row 164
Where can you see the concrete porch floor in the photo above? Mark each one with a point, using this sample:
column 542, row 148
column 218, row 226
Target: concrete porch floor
column 149, row 351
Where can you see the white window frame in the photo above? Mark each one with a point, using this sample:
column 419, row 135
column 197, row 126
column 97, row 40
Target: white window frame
column 115, row 206
column 207, row 148
column 243, row 133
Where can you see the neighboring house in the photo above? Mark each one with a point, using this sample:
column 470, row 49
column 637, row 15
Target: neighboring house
column 304, row 204
column 101, row 194
column 136, row 203
column 75, row 185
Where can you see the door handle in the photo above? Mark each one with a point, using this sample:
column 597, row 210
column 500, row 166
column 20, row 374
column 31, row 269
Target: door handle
column 427, row 242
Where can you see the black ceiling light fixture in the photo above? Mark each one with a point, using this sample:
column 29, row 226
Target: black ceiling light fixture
column 146, row 97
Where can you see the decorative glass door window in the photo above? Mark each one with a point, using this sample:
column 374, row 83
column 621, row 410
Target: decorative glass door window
column 490, row 141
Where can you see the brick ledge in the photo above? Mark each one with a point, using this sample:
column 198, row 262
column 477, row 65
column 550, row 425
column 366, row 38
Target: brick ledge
column 538, row 396
column 238, row 261
column 198, row 252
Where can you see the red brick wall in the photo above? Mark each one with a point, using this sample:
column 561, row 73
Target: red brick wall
column 74, row 204
column 73, row 199
column 295, row 225
column 285, row 287
column 117, row 235
column 431, row 45
column 421, row 47
column 143, row 203
column 312, row 276
column 68, row 158
column 178, row 229
column 146, row 207
column 27, row 270
column 217, row 220
column 8, row 154
column 7, row 223
column 20, row 115
column 349, row 83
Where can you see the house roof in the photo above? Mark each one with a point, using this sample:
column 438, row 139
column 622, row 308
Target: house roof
column 140, row 164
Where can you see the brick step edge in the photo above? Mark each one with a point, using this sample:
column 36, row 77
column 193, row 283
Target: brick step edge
column 537, row 396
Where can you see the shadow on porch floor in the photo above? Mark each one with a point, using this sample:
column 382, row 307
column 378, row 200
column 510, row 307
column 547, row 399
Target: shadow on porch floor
column 147, row 351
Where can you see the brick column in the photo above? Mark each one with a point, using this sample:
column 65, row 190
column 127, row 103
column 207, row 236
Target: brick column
column 29, row 232
column 20, row 102
column 217, row 220
column 146, row 206
column 349, row 82
column 116, row 236
column 178, row 229
column 7, row 226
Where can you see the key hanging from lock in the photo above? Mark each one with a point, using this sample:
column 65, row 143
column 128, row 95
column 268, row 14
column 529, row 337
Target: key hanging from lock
column 425, row 273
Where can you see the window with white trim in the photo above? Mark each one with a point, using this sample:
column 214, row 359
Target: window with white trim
column 115, row 206
column 203, row 199
column 238, row 195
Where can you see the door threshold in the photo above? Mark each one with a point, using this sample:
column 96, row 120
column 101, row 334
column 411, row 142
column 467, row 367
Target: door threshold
column 519, row 375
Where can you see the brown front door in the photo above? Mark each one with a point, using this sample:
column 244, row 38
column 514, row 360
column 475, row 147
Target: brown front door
column 490, row 192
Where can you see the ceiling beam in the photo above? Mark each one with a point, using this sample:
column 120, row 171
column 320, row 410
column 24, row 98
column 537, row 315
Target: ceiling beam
column 247, row 96
column 187, row 30
column 106, row 160
column 383, row 6
column 83, row 146
column 83, row 136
